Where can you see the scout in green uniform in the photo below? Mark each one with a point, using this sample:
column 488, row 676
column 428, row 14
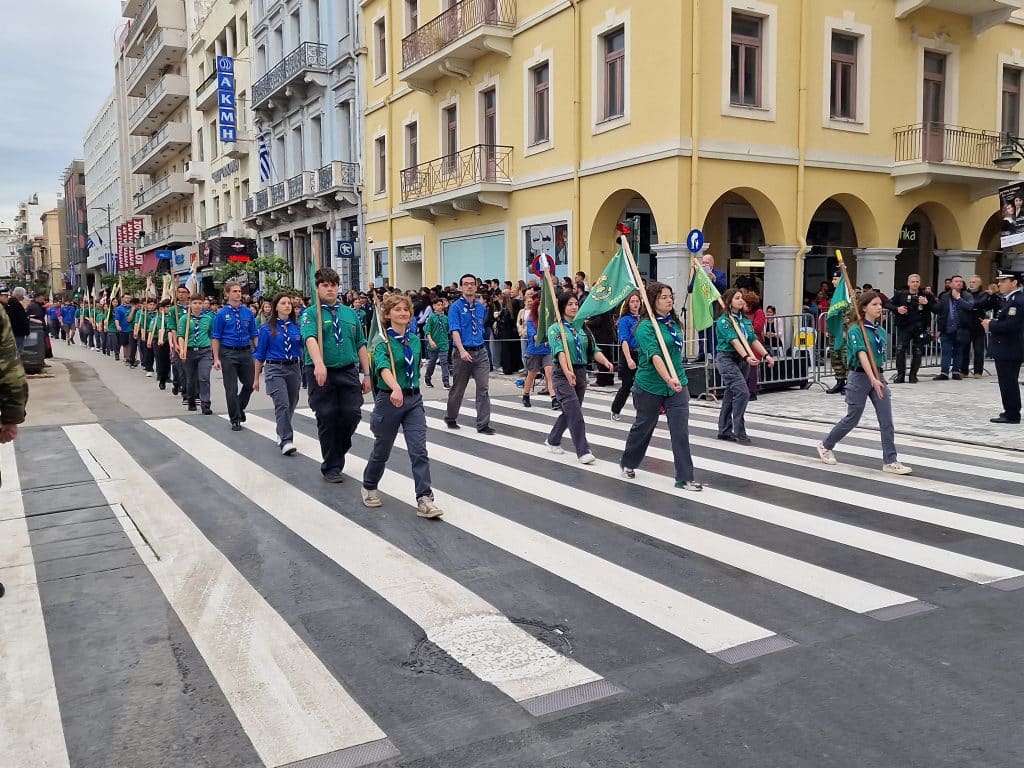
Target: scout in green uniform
column 864, row 382
column 160, row 342
column 332, row 373
column 194, row 338
column 144, row 324
column 438, row 346
column 113, row 339
column 570, row 377
column 178, row 310
column 656, row 389
column 731, row 360
column 398, row 403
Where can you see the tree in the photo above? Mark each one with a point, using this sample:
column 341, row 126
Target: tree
column 272, row 269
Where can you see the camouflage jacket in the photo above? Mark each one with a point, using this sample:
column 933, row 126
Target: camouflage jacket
column 13, row 386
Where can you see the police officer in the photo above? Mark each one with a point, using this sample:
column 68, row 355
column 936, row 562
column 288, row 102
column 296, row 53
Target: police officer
column 1006, row 344
column 836, row 352
column 912, row 309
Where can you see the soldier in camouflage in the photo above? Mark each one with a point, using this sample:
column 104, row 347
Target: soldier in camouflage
column 836, row 353
column 13, row 387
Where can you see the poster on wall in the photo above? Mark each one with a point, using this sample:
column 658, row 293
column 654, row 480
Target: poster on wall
column 551, row 240
column 1011, row 211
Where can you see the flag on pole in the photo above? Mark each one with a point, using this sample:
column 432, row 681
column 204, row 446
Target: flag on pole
column 546, row 311
column 264, row 158
column 192, row 283
column 705, row 297
column 836, row 314
column 376, row 332
column 610, row 290
column 89, row 243
column 111, row 263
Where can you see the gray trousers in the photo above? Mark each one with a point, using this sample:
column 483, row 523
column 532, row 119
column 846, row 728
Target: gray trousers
column 677, row 412
column 571, row 415
column 236, row 366
column 735, row 397
column 384, row 423
column 479, row 369
column 197, row 374
column 858, row 390
column 435, row 356
column 282, row 382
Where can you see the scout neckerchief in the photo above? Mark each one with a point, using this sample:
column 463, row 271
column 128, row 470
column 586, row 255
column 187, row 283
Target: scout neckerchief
column 237, row 311
column 195, row 330
column 284, row 326
column 403, row 339
column 576, row 341
column 471, row 308
column 332, row 309
column 671, row 328
column 879, row 342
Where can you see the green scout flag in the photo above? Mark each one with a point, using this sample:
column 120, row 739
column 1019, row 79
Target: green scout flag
column 836, row 313
column 376, row 332
column 545, row 312
column 315, row 298
column 705, row 297
column 611, row 289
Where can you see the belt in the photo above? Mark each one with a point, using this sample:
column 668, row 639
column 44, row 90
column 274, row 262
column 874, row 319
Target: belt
column 473, row 349
column 348, row 367
column 197, row 349
column 228, row 346
column 293, row 361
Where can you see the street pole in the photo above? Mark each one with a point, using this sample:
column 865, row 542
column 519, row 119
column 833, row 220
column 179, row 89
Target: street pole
column 109, row 230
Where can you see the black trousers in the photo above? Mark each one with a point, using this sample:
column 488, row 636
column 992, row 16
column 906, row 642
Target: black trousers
column 912, row 339
column 976, row 341
column 626, row 376
column 235, row 365
column 162, row 357
column 337, row 407
column 1008, row 372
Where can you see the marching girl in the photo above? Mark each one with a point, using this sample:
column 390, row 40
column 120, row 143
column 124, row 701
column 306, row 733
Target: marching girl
column 863, row 383
column 732, row 362
column 538, row 356
column 570, row 377
column 395, row 364
column 654, row 389
column 629, row 318
column 278, row 357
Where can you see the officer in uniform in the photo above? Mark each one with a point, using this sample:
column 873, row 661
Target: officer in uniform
column 1006, row 344
column 837, row 352
column 911, row 308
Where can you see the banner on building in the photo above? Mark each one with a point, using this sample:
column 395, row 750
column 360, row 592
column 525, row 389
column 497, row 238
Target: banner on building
column 227, row 116
column 1011, row 211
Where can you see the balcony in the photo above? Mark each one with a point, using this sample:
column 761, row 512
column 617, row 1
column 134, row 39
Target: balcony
column 166, row 48
column 331, row 187
column 448, row 44
column 155, row 153
column 935, row 153
column 169, row 94
column 306, row 65
column 130, row 8
column 166, row 192
column 170, row 237
column 984, row 14
column 206, row 94
column 196, row 171
column 462, row 182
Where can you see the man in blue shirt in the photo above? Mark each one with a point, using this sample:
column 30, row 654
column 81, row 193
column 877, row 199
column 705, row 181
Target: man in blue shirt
column 466, row 320
column 67, row 321
column 124, row 325
column 234, row 331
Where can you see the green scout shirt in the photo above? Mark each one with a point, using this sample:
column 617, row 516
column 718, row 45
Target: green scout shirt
column 571, row 333
column 647, row 377
column 382, row 361
column 157, row 321
column 177, row 312
column 198, row 329
column 437, row 330
column 112, row 322
column 855, row 344
column 335, row 354
column 725, row 332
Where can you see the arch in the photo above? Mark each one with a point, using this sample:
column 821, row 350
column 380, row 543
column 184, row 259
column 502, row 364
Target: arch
column 766, row 210
column 944, row 223
column 865, row 224
column 602, row 229
column 609, row 215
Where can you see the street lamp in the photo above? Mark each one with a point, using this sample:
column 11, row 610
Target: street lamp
column 1010, row 153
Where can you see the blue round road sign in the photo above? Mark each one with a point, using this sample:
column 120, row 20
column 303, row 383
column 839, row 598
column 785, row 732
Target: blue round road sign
column 695, row 241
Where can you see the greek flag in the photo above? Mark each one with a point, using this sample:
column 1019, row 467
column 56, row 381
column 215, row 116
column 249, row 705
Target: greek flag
column 264, row 159
column 89, row 243
column 111, row 263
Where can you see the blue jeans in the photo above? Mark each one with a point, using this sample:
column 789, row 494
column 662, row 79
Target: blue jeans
column 950, row 351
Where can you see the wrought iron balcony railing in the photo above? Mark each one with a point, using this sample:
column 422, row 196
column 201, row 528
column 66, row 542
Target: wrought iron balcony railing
column 950, row 144
column 454, row 23
column 306, row 56
column 336, row 174
column 479, row 164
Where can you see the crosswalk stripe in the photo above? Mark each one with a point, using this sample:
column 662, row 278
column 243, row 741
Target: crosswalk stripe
column 471, row 630
column 835, row 588
column 687, row 618
column 31, row 731
column 987, row 528
column 287, row 702
column 905, row 550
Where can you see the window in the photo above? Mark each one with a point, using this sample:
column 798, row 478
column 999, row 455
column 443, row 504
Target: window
column 1011, row 101
column 614, row 74
column 412, row 15
column 540, row 107
column 380, row 165
column 745, row 69
column 450, row 126
column 380, row 49
column 844, row 77
column 412, row 137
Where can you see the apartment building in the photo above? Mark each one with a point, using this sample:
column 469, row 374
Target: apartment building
column 154, row 117
column 498, row 128
column 74, row 227
column 102, row 187
column 54, row 256
column 28, row 230
column 304, row 103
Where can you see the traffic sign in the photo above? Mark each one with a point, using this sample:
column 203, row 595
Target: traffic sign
column 695, row 241
column 346, row 249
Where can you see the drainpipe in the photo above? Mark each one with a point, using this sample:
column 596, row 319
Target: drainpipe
column 356, row 134
column 577, row 138
column 695, row 34
column 801, row 184
column 392, row 275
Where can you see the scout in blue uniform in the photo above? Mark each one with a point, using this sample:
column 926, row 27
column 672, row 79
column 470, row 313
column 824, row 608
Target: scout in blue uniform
column 655, row 390
column 570, row 377
column 398, row 403
column 538, row 356
column 629, row 318
column 467, row 320
column 278, row 356
column 67, row 321
column 124, row 327
column 194, row 335
column 732, row 363
column 1006, row 344
column 332, row 373
column 862, row 383
column 234, row 331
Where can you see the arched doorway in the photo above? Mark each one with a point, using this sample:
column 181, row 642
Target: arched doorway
column 618, row 207
column 991, row 257
column 737, row 225
column 831, row 228
column 928, row 228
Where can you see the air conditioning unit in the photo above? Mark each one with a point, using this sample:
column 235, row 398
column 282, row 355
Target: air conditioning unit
column 195, row 171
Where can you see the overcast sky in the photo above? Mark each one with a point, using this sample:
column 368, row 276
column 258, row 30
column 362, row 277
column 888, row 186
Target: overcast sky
column 56, row 68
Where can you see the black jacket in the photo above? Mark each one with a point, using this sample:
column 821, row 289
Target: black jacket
column 916, row 317
column 983, row 302
column 19, row 317
column 964, row 308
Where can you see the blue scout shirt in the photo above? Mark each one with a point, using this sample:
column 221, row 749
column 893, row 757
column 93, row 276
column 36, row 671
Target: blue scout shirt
column 533, row 349
column 627, row 330
column 67, row 315
column 234, row 327
column 287, row 345
column 121, row 317
column 468, row 321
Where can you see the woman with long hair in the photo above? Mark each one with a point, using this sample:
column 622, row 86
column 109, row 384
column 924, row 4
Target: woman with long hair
column 277, row 356
column 570, row 377
column 538, row 356
column 863, row 383
column 655, row 388
column 507, row 337
column 629, row 318
column 732, row 360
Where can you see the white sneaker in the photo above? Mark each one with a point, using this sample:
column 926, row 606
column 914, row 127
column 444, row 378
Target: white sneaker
column 288, row 448
column 370, row 498
column 555, row 449
column 616, row 416
column 897, row 469
column 149, row 375
column 826, row 455
column 425, row 507
column 587, row 458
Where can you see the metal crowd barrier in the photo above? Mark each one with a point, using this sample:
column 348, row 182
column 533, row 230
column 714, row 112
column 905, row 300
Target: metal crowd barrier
column 931, row 358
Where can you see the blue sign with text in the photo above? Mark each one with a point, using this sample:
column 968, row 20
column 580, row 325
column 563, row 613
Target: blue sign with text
column 227, row 116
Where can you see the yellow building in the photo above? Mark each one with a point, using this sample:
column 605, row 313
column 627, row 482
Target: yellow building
column 52, row 251
column 783, row 130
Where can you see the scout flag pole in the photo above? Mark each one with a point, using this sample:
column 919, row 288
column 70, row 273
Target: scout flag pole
column 314, row 258
column 856, row 313
column 545, row 266
column 721, row 302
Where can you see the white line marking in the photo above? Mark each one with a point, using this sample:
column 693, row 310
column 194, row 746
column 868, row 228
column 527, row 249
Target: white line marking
column 288, row 703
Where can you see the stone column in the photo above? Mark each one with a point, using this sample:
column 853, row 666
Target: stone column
column 779, row 286
column 955, row 262
column 674, row 267
column 877, row 266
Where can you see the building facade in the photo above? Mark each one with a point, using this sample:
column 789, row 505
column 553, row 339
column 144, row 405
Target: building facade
column 8, row 252
column 54, row 257
column 28, row 231
column 102, row 148
column 74, row 228
column 784, row 131
column 305, row 107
